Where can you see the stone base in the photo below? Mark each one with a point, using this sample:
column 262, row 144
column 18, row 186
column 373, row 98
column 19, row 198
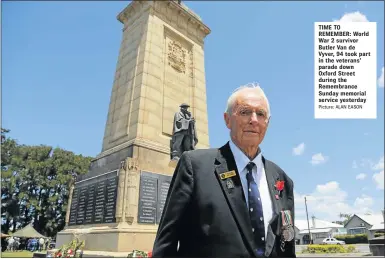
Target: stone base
column 118, row 239
column 173, row 163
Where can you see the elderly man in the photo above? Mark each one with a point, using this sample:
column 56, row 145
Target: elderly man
column 231, row 201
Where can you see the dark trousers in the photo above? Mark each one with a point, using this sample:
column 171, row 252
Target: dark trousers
column 181, row 142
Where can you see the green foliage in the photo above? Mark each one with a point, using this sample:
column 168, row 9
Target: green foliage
column 379, row 234
column 345, row 217
column 329, row 249
column 35, row 183
column 353, row 239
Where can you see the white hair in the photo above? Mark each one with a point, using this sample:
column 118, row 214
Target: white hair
column 256, row 86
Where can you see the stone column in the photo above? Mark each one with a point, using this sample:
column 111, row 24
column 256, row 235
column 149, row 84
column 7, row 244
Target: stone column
column 131, row 197
column 122, row 186
column 69, row 205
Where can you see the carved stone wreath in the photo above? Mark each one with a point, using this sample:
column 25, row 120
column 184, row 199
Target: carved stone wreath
column 177, row 56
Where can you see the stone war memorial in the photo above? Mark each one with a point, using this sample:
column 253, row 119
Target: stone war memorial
column 157, row 111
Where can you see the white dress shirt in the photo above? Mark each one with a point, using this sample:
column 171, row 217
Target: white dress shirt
column 259, row 176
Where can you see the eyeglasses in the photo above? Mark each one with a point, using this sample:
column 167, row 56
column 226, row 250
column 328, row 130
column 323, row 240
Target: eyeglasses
column 248, row 113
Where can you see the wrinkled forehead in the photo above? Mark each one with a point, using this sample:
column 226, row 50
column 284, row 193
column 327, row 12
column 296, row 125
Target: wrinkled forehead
column 250, row 99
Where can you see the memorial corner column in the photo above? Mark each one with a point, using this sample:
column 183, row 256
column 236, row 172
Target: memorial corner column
column 121, row 193
column 69, row 205
column 132, row 189
column 127, row 204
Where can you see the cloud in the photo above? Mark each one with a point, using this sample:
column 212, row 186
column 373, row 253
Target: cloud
column 363, row 202
column 354, row 165
column 366, row 162
column 379, row 165
column 330, row 187
column 328, row 200
column 325, row 202
column 318, row 159
column 379, row 180
column 353, row 17
column 361, row 177
column 297, row 151
column 381, row 78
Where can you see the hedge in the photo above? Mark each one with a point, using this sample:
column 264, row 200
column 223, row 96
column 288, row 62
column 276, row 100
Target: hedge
column 379, row 234
column 329, row 249
column 353, row 239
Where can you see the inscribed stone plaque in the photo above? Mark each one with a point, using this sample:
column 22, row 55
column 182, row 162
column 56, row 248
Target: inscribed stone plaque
column 111, row 192
column 100, row 199
column 74, row 205
column 89, row 218
column 81, row 205
column 94, row 200
column 163, row 186
column 152, row 196
column 147, row 199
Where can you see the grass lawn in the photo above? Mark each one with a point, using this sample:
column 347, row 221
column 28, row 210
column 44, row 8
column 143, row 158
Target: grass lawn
column 25, row 254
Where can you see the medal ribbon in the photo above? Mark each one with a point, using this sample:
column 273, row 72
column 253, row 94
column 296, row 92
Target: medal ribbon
column 286, row 218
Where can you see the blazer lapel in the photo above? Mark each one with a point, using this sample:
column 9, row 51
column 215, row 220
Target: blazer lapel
column 273, row 228
column 234, row 194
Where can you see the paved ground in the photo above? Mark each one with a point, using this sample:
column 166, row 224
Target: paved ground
column 363, row 248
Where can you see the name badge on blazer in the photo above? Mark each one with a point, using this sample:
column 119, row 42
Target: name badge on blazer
column 227, row 175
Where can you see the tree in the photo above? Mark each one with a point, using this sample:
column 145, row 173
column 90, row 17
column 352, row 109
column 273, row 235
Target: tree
column 36, row 183
column 9, row 201
column 344, row 216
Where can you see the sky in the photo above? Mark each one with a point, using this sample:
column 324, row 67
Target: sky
column 59, row 60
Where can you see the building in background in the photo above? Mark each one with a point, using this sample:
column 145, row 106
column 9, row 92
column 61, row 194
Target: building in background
column 365, row 224
column 319, row 230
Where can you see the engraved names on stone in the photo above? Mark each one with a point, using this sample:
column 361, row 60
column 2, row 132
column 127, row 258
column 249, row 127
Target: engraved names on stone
column 147, row 199
column 99, row 202
column 163, row 186
column 81, row 205
column 94, row 200
column 111, row 191
column 90, row 205
column 152, row 196
column 74, row 205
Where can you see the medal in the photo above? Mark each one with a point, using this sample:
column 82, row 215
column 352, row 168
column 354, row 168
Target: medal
column 229, row 184
column 287, row 228
column 288, row 233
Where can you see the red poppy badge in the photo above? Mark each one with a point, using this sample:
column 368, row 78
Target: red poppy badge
column 279, row 185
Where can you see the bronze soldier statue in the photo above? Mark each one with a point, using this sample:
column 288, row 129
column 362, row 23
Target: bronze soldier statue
column 184, row 135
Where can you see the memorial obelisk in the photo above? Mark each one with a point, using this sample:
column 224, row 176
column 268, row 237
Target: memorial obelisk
column 116, row 206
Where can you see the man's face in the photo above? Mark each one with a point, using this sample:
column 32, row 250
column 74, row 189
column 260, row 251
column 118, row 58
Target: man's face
column 183, row 109
column 248, row 119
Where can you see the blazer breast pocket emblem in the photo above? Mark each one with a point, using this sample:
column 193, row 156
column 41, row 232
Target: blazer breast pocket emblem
column 227, row 174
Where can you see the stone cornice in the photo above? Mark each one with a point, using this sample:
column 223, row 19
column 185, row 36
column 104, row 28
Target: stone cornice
column 190, row 17
column 130, row 14
column 193, row 26
column 132, row 11
column 140, row 142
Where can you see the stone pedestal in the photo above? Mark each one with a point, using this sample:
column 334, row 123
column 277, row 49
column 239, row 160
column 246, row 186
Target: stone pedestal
column 160, row 66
